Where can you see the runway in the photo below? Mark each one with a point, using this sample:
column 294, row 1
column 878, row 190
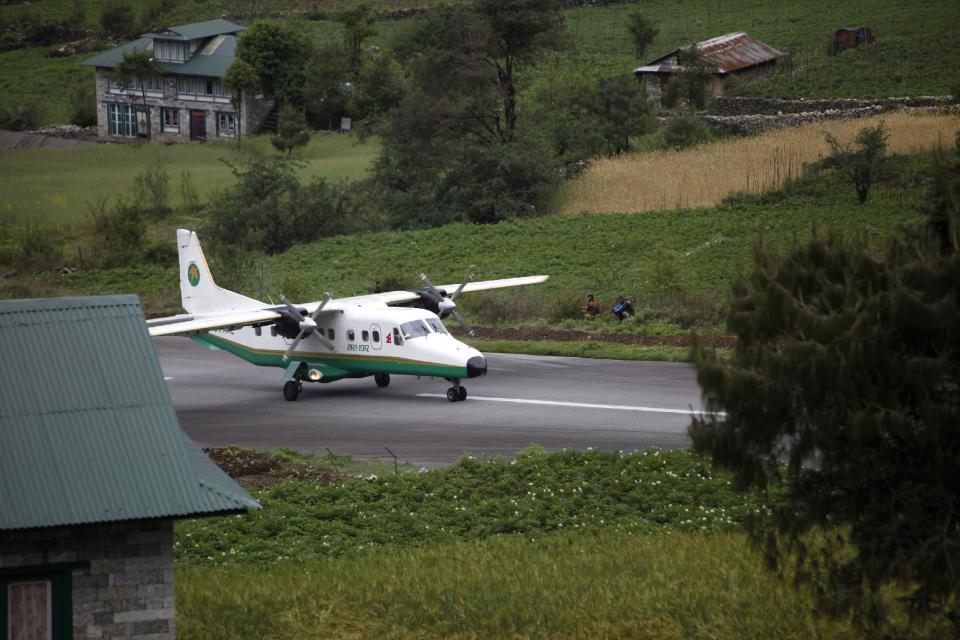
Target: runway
column 553, row 402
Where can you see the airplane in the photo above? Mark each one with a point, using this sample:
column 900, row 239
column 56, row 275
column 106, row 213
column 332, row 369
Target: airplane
column 379, row 335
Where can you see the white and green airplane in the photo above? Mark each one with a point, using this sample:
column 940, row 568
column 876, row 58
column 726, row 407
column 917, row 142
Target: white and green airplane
column 395, row 332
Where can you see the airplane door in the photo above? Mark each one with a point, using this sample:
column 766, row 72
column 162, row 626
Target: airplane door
column 375, row 337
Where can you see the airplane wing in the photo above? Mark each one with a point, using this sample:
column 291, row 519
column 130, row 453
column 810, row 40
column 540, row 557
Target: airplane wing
column 399, row 297
column 192, row 325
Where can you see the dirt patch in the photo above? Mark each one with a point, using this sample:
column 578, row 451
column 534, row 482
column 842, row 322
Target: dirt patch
column 22, row 140
column 256, row 470
column 716, row 342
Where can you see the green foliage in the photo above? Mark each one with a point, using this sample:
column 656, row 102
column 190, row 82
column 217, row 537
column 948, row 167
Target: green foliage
column 278, row 52
column 117, row 18
column 358, row 25
column 862, row 166
column 292, row 131
column 84, row 104
column 689, row 87
column 241, row 80
column 151, row 190
column 621, row 111
column 133, row 70
column 120, row 231
column 942, row 204
column 474, row 499
column 642, row 31
column 39, row 249
column 324, row 92
column 847, row 368
column 380, row 86
column 685, row 130
column 189, row 197
column 23, row 117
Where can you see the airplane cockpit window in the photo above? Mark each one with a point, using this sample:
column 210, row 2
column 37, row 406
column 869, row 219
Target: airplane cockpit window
column 437, row 325
column 397, row 338
column 414, row 329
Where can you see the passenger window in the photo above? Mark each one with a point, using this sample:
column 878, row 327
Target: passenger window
column 366, row 336
column 397, row 338
column 376, row 336
column 331, row 334
column 258, row 330
column 350, row 335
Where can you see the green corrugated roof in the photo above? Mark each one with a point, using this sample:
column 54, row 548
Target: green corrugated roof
column 196, row 30
column 87, row 429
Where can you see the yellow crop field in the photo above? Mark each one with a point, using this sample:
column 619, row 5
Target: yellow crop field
column 702, row 176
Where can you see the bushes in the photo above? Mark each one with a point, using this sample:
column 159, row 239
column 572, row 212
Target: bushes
column 151, row 190
column 121, row 233
column 39, row 249
column 23, row 117
column 685, row 131
column 83, row 105
column 118, row 19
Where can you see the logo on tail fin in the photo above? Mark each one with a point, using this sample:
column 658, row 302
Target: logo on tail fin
column 193, row 274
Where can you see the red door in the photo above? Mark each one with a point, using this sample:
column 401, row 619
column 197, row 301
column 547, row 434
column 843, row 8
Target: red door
column 198, row 125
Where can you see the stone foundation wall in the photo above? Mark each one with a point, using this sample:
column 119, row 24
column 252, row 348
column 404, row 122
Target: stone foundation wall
column 732, row 106
column 127, row 591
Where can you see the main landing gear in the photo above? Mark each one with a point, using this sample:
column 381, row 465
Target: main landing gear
column 382, row 379
column 456, row 393
column 292, row 389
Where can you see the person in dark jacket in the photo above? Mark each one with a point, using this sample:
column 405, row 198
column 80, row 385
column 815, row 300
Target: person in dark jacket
column 623, row 309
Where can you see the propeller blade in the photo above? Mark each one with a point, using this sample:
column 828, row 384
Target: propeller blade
column 433, row 289
column 292, row 347
column 326, row 299
column 460, row 288
column 463, row 323
column 292, row 309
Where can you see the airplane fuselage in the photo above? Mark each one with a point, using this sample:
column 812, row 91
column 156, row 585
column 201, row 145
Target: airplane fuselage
column 368, row 339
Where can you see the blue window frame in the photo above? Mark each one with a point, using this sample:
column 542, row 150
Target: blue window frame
column 121, row 120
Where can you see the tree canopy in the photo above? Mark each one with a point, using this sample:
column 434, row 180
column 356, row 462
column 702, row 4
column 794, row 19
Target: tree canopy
column 278, row 52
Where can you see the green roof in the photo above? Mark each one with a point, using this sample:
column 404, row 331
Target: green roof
column 196, row 30
column 87, row 430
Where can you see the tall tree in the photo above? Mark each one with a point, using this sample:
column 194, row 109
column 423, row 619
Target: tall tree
column 135, row 69
column 292, row 130
column 642, row 31
column 326, row 79
column 241, row 79
column 843, row 391
column 861, row 166
column 358, row 25
column 278, row 52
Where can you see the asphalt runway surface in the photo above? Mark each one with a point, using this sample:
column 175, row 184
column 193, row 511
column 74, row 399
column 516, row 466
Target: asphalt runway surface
column 553, row 402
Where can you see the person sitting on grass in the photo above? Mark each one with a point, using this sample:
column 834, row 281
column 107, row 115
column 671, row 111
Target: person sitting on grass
column 591, row 309
column 623, row 309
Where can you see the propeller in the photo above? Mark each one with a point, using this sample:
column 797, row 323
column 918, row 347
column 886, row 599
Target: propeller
column 308, row 325
column 448, row 306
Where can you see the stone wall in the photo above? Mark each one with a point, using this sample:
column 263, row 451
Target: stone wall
column 733, row 106
column 127, row 591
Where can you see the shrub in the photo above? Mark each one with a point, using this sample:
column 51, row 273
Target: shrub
column 117, row 18
column 861, row 166
column 151, row 190
column 189, row 197
column 83, row 103
column 643, row 31
column 161, row 253
column 564, row 306
column 39, row 249
column 22, row 117
column 685, row 131
column 120, row 232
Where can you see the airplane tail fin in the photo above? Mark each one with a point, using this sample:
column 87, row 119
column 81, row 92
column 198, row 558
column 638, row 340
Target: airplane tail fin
column 198, row 292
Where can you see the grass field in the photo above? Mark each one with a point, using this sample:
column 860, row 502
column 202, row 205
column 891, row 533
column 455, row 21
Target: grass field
column 702, row 176
column 563, row 585
column 57, row 186
column 917, row 50
column 580, row 349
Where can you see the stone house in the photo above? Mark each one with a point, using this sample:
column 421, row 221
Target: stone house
column 190, row 101
column 734, row 54
column 94, row 468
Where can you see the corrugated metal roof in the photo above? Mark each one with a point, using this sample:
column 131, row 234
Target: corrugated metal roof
column 197, row 30
column 729, row 52
column 212, row 61
column 87, row 429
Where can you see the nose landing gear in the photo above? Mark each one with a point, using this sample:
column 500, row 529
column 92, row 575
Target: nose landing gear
column 292, row 389
column 456, row 393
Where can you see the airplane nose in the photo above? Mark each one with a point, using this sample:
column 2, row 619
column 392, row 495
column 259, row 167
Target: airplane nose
column 476, row 367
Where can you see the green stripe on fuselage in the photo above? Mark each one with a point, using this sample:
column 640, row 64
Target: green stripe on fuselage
column 336, row 365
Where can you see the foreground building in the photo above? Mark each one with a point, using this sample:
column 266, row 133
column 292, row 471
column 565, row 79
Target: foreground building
column 94, row 468
column 190, row 101
column 734, row 54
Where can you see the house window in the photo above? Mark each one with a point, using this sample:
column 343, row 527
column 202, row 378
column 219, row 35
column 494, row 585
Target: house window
column 121, row 120
column 170, row 119
column 169, row 50
column 200, row 86
column 226, row 124
column 153, row 83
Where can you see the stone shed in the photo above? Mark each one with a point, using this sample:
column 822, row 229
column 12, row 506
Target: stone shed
column 94, row 469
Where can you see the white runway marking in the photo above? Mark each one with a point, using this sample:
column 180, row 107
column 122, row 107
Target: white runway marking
column 580, row 405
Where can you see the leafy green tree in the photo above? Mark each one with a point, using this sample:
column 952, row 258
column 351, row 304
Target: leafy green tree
column 685, row 130
column 241, row 80
column 324, row 94
column 622, row 111
column 863, row 165
column 842, row 392
column 278, row 52
column 380, row 86
column 292, row 130
column 642, row 31
column 83, row 103
column 134, row 70
column 358, row 25
column 691, row 85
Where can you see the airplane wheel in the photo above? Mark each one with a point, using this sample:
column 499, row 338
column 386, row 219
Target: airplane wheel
column 382, row 379
column 461, row 393
column 452, row 394
column 291, row 390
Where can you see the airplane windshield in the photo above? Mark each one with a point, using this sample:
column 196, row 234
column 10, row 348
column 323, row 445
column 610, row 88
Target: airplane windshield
column 413, row 329
column 437, row 325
